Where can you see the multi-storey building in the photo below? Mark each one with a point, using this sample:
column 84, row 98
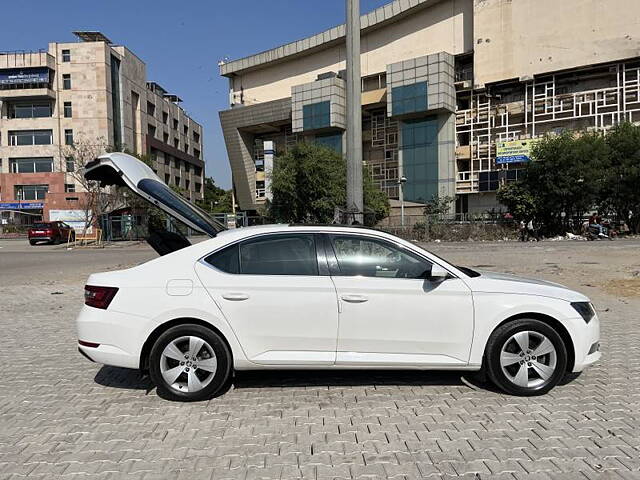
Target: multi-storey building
column 92, row 92
column 453, row 92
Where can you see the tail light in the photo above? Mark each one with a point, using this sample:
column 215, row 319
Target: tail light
column 99, row 297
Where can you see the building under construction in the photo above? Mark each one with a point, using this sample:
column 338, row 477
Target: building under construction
column 454, row 92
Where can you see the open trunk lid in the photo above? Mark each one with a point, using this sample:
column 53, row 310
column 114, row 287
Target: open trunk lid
column 122, row 169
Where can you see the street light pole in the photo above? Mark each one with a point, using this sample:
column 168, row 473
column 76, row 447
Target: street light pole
column 355, row 202
column 401, row 183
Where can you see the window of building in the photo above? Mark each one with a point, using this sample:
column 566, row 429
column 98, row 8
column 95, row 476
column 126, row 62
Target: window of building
column 30, row 137
column 330, row 140
column 420, row 159
column 374, row 82
column 187, row 167
column 69, row 187
column 165, row 137
column 316, row 115
column 367, row 257
column 512, row 175
column 31, row 165
column 177, row 181
column 68, row 136
column 151, row 130
column 176, row 143
column 66, row 55
column 151, row 109
column 71, row 164
column 31, row 192
column 409, row 98
column 196, row 137
column 29, row 110
column 176, row 163
column 279, row 255
column 198, row 187
column 197, row 171
column 488, row 181
column 260, row 189
column 167, row 178
column 66, row 81
column 196, row 153
column 186, row 130
column 165, row 118
column 187, row 184
column 186, row 148
column 68, row 111
column 175, row 124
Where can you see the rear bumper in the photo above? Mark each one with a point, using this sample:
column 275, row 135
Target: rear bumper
column 119, row 337
column 47, row 239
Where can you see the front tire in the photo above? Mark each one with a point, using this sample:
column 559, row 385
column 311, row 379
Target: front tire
column 526, row 357
column 189, row 363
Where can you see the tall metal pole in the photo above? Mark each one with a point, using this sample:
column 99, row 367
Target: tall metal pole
column 355, row 202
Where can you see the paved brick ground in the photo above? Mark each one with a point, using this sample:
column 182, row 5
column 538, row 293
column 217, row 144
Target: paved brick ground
column 63, row 417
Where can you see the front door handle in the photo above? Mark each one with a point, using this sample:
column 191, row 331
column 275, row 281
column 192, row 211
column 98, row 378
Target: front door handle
column 354, row 298
column 235, row 297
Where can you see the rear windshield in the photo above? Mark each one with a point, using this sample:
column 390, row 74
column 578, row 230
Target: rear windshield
column 42, row 225
column 182, row 207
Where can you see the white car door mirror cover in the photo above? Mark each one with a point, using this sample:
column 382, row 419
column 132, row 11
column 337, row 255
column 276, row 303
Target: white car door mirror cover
column 438, row 273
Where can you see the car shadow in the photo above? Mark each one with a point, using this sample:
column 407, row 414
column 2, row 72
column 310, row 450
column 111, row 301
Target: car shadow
column 125, row 378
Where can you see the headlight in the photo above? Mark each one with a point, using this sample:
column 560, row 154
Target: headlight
column 585, row 309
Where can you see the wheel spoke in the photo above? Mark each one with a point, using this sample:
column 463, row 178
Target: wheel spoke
column 172, row 374
column 522, row 377
column 545, row 371
column 194, row 383
column 522, row 338
column 507, row 358
column 545, row 347
column 209, row 365
column 195, row 344
column 172, row 351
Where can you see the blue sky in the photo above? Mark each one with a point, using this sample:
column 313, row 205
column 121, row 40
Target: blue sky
column 181, row 42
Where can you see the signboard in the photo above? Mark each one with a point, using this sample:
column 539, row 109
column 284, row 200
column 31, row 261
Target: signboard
column 21, row 206
column 514, row 151
column 18, row 76
column 73, row 218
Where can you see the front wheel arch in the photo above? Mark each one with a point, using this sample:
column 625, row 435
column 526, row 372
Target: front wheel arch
column 553, row 323
column 160, row 329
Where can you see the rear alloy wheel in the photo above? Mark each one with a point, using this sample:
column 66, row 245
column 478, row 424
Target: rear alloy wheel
column 189, row 363
column 526, row 357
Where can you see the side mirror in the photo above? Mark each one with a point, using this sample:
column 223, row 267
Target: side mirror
column 438, row 274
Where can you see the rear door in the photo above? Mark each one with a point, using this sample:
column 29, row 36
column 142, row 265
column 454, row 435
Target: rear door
column 277, row 297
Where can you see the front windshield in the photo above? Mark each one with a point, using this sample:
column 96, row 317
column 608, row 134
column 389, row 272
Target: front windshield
column 180, row 206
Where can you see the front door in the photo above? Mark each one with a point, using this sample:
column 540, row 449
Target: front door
column 283, row 310
column 391, row 314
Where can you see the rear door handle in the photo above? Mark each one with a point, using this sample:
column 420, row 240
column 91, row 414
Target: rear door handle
column 354, row 298
column 235, row 297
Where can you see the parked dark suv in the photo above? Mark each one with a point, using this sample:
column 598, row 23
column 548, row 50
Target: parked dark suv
column 51, row 232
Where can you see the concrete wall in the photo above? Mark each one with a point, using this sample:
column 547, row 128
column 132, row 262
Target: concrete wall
column 445, row 26
column 521, row 38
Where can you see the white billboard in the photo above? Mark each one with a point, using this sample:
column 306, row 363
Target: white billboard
column 73, row 218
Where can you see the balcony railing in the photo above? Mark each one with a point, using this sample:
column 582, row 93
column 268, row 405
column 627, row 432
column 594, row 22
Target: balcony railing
column 26, row 58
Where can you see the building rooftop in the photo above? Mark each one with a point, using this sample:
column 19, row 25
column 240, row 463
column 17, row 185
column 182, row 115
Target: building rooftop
column 92, row 36
column 377, row 18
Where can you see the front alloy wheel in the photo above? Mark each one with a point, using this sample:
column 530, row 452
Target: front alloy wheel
column 526, row 357
column 189, row 362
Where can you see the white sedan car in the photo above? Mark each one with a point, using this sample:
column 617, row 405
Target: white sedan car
column 318, row 297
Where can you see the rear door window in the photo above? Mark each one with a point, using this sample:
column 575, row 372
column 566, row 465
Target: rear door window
column 279, row 255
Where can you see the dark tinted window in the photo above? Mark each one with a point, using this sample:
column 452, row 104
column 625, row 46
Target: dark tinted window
column 181, row 206
column 367, row 257
column 225, row 260
column 279, row 255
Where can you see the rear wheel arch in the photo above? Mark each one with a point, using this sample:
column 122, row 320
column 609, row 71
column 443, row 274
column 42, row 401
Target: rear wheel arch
column 159, row 330
column 553, row 323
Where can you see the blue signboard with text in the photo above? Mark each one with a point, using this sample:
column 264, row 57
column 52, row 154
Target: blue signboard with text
column 18, row 76
column 21, row 206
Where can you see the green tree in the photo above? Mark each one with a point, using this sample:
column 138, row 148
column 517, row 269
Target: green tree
column 566, row 176
column 620, row 192
column 519, row 201
column 215, row 199
column 439, row 205
column 309, row 182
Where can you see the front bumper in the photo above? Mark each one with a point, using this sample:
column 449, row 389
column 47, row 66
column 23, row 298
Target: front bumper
column 586, row 342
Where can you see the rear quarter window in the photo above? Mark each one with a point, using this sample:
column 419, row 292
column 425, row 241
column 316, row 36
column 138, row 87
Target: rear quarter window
column 225, row 260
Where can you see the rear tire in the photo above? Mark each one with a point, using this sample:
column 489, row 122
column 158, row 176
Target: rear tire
column 32, row 242
column 189, row 363
column 526, row 357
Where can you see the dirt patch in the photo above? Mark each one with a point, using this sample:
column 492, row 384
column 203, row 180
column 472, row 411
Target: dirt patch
column 629, row 287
